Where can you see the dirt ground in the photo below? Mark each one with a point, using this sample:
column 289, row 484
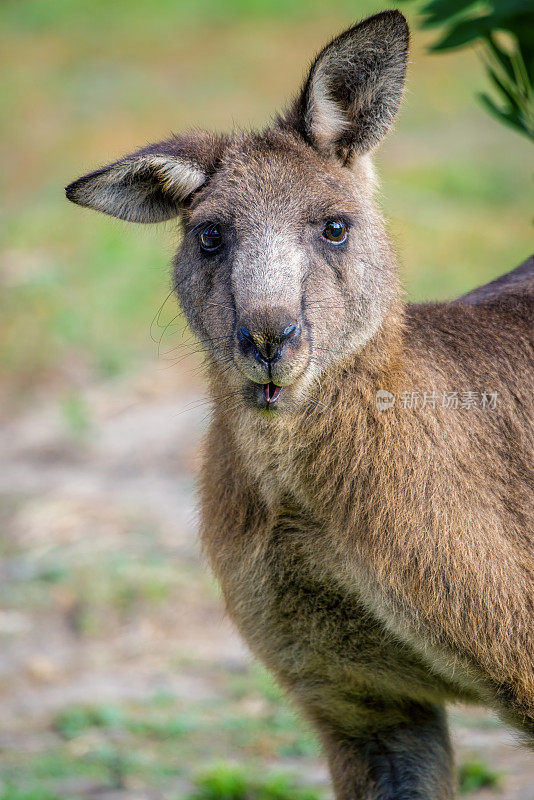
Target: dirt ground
column 105, row 601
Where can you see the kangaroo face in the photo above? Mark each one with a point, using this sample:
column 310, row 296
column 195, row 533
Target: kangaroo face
column 284, row 267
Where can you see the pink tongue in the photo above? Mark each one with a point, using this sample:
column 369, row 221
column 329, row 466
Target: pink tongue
column 271, row 392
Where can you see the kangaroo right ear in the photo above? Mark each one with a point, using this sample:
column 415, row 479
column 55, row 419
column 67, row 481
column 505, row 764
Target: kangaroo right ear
column 354, row 88
column 152, row 184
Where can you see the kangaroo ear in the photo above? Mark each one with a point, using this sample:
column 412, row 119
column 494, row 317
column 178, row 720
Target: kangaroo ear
column 152, row 184
column 354, row 87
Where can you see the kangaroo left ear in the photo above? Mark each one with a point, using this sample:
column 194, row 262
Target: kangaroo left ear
column 154, row 183
column 354, row 88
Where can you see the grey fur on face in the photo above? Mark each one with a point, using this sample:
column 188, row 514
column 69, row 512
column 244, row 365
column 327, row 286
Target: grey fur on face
column 269, row 198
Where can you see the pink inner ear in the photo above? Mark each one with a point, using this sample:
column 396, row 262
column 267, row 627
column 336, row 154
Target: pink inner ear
column 328, row 119
column 145, row 188
column 354, row 87
column 179, row 177
column 150, row 184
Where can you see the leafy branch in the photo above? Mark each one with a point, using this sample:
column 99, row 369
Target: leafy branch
column 504, row 31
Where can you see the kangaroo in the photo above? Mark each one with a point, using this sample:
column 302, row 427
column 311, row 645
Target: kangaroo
column 367, row 488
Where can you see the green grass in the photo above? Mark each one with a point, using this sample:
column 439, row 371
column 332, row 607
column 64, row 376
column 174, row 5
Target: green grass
column 77, row 720
column 228, row 782
column 12, row 793
column 476, row 774
column 106, row 588
column 155, row 742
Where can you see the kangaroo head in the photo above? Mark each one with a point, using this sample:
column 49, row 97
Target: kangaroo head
column 284, row 267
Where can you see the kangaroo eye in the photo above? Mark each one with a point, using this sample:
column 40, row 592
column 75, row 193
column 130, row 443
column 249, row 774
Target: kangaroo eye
column 210, row 238
column 335, row 231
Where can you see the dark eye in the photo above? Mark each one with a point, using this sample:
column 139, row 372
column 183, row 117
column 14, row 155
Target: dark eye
column 335, row 231
column 210, row 238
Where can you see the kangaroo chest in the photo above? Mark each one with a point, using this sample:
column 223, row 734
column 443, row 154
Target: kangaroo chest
column 324, row 644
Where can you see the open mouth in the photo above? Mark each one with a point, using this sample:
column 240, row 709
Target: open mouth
column 271, row 393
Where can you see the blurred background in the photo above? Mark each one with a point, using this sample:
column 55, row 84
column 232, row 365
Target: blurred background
column 119, row 675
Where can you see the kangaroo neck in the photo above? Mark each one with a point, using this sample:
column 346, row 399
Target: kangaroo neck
column 298, row 453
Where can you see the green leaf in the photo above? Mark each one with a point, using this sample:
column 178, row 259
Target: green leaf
column 439, row 11
column 503, row 58
column 463, row 33
column 505, row 90
column 509, row 118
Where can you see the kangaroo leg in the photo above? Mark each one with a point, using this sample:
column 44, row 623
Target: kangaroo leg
column 407, row 760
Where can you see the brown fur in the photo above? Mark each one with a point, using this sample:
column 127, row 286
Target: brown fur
column 379, row 562
column 382, row 565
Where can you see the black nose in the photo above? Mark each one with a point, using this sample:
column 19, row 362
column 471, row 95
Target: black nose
column 267, row 345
